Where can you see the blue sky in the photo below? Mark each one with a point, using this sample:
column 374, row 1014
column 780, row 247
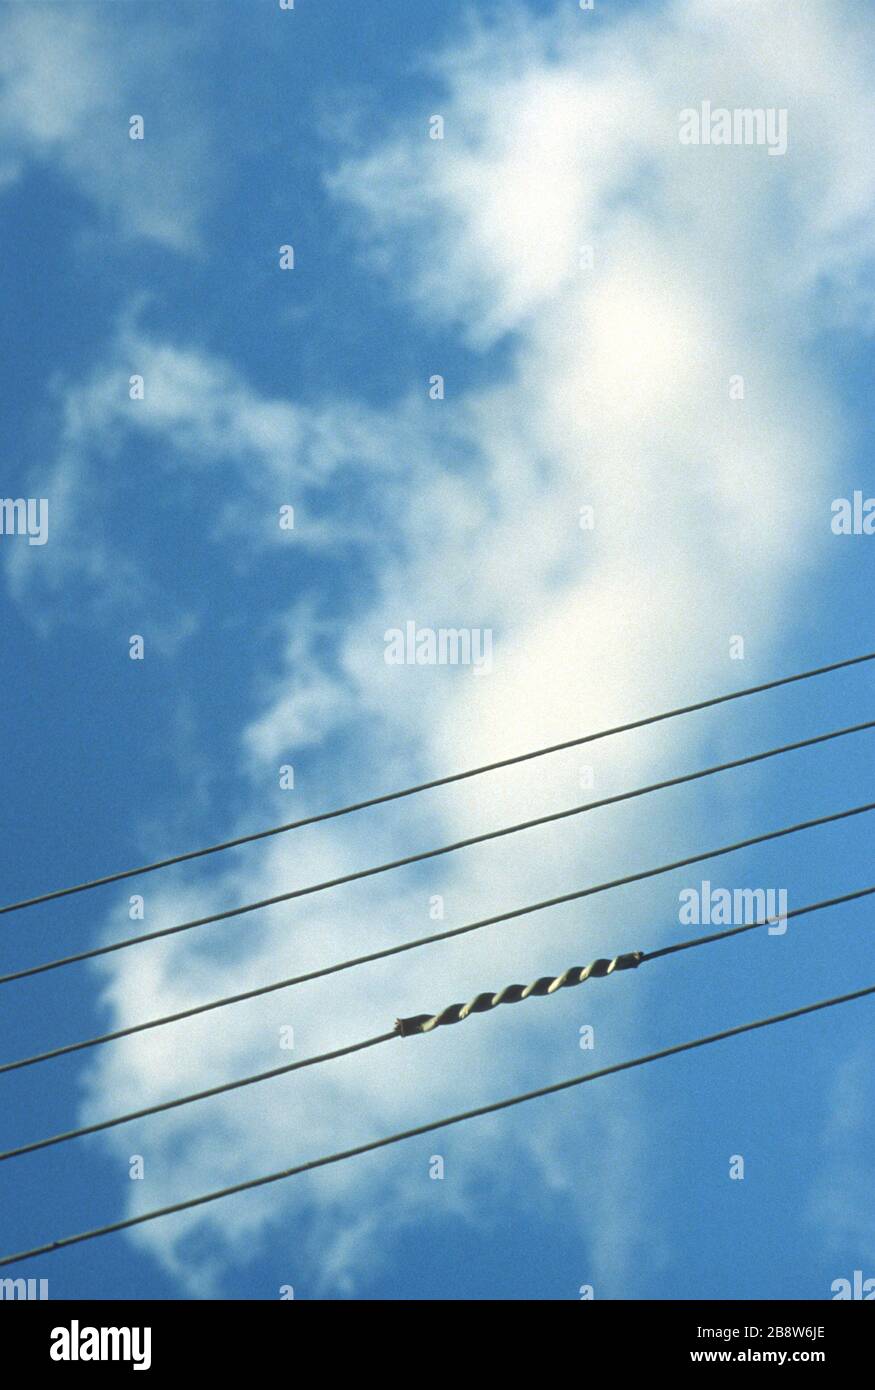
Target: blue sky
column 564, row 388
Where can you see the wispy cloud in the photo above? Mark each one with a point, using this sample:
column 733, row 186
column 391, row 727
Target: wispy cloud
column 841, row 1202
column 71, row 77
column 206, row 427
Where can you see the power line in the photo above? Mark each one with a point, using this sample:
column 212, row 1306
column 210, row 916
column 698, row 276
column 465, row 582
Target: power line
column 406, row 1027
column 163, row 1105
column 344, row 1154
column 428, row 786
column 597, row 969
column 423, row 855
column 637, row 877
column 515, row 994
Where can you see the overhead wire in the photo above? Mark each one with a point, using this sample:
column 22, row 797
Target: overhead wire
column 597, row 969
column 190, row 1203
column 67, row 1048
column 406, row 1027
column 380, row 800
column 293, row 894
column 160, row 1106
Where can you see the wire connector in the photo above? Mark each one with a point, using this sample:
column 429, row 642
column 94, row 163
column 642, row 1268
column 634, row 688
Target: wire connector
column 513, row 994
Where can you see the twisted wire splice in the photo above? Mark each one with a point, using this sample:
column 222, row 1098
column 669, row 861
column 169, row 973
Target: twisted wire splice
column 512, row 994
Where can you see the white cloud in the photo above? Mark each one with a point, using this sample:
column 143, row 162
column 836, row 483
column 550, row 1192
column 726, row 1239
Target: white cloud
column 840, row 1205
column 304, row 700
column 70, row 78
column 708, row 263
column 201, row 419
